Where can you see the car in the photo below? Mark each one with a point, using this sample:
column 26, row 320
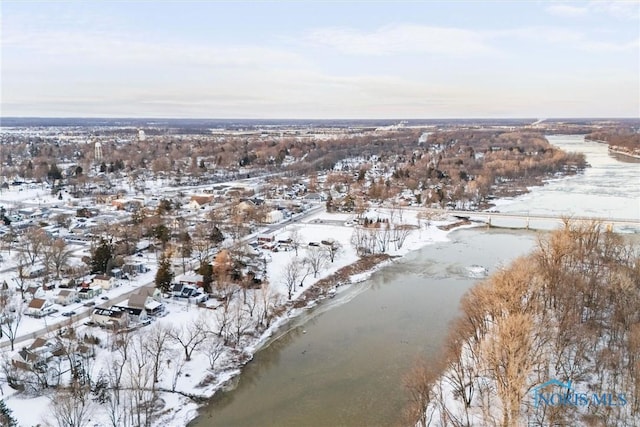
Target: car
column 89, row 304
column 145, row 322
column 69, row 313
column 104, row 297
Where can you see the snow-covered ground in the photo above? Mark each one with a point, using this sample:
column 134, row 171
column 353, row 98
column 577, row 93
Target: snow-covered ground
column 196, row 377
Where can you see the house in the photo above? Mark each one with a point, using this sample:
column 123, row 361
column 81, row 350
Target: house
column 88, row 293
column 143, row 300
column 66, row 296
column 34, row 291
column 199, row 201
column 266, row 238
column 135, row 314
column 273, row 216
column 134, row 268
column 36, row 270
column 38, row 307
column 26, row 359
column 111, row 317
column 105, row 282
column 191, row 279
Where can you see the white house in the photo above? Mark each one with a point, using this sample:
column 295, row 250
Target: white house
column 113, row 317
column 38, row 307
column 66, row 296
column 274, row 216
column 105, row 282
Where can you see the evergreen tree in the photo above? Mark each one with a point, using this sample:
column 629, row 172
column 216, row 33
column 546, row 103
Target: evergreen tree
column 102, row 254
column 6, row 419
column 164, row 275
column 207, row 275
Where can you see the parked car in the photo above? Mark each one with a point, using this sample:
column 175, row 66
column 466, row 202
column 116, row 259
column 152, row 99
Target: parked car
column 69, row 313
column 89, row 304
column 104, row 297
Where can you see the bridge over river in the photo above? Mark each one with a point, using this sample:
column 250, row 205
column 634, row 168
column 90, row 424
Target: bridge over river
column 533, row 220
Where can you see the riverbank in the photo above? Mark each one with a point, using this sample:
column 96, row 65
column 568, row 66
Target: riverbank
column 328, row 286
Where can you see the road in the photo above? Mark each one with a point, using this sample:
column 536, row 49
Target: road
column 60, row 321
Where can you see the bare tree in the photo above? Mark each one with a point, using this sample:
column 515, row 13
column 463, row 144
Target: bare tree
column 156, row 344
column 70, row 408
column 315, row 259
column 189, row 336
column 33, row 242
column 56, row 255
column 213, row 348
column 296, row 239
column 10, row 319
column 399, row 234
column 292, row 272
column 332, row 248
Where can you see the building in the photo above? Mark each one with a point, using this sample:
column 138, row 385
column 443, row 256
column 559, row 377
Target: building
column 88, row 293
column 135, row 314
column 66, row 296
column 105, row 282
column 39, row 307
column 110, row 317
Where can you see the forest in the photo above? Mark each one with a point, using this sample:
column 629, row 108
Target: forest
column 566, row 313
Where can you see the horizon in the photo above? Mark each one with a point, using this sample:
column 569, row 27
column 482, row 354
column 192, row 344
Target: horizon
column 321, row 61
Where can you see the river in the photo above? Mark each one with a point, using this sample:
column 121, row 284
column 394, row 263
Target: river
column 342, row 363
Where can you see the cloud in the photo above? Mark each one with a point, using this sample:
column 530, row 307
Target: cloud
column 402, row 38
column 621, row 10
column 567, row 10
column 559, row 37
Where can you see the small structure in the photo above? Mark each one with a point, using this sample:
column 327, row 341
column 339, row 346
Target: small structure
column 135, row 314
column 199, row 201
column 111, row 317
column 66, row 296
column 273, row 216
column 105, row 282
column 38, row 307
column 266, row 238
column 191, row 279
column 89, row 292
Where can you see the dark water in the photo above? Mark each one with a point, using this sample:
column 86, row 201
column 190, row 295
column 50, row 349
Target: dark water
column 344, row 366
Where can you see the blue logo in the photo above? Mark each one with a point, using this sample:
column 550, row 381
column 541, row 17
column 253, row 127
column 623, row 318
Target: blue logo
column 556, row 393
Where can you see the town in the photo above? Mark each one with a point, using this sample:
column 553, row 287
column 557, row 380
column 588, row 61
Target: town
column 144, row 263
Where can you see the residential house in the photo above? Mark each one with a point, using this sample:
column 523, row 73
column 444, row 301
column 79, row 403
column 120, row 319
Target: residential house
column 38, row 307
column 89, row 292
column 190, row 279
column 34, row 291
column 66, row 296
column 134, row 268
column 142, row 300
column 111, row 317
column 135, row 314
column 273, row 216
column 105, row 282
column 199, row 201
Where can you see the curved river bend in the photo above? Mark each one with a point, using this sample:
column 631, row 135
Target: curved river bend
column 343, row 366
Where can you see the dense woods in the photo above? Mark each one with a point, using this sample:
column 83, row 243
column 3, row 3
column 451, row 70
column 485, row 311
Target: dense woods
column 626, row 140
column 568, row 313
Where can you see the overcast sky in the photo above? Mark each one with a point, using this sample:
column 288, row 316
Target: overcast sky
column 321, row 60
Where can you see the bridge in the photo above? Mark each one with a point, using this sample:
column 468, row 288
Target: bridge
column 528, row 219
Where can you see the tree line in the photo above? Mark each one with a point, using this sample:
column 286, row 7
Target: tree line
column 568, row 312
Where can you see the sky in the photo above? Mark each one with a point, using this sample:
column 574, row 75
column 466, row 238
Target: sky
column 320, row 60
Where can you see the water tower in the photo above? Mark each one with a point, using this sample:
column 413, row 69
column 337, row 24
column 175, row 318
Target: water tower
column 97, row 151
